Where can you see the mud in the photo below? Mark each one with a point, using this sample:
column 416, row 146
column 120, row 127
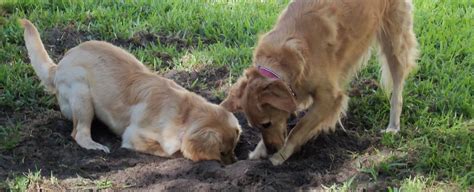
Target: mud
column 206, row 81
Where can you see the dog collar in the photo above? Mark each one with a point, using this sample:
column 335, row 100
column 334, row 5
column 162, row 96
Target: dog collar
column 266, row 72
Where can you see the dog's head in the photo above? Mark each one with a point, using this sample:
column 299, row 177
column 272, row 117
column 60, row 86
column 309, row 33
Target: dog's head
column 213, row 137
column 268, row 102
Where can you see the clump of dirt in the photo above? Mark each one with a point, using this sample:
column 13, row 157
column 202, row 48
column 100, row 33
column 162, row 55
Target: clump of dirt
column 166, row 59
column 363, row 87
column 48, row 147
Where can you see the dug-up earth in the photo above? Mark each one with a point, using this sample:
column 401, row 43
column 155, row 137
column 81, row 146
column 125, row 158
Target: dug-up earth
column 46, row 145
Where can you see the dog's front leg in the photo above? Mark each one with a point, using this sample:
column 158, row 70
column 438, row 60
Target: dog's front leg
column 323, row 114
column 259, row 152
column 272, row 140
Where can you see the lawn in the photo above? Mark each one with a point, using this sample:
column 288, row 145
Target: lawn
column 205, row 46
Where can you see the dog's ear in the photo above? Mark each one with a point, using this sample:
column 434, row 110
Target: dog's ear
column 202, row 144
column 232, row 103
column 278, row 95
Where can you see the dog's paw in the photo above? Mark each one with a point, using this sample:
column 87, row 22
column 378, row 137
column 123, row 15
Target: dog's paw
column 92, row 145
column 258, row 154
column 105, row 149
column 277, row 159
column 97, row 146
column 392, row 130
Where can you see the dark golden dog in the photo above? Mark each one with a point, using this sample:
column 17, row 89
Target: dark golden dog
column 307, row 59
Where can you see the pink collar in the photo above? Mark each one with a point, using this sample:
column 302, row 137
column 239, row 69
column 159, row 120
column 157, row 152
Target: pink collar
column 267, row 72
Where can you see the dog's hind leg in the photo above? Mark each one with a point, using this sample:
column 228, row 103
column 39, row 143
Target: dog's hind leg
column 82, row 114
column 398, row 55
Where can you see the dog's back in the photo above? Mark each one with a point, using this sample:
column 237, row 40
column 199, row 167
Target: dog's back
column 336, row 35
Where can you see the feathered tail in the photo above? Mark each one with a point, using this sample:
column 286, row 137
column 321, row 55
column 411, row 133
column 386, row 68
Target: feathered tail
column 44, row 67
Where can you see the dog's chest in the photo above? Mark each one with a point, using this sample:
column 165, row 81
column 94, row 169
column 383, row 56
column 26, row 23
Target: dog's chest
column 305, row 103
column 162, row 126
column 171, row 140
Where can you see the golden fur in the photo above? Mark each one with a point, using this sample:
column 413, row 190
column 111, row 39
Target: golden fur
column 316, row 47
column 152, row 114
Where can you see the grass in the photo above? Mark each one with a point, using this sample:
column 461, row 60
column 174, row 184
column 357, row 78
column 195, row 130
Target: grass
column 22, row 182
column 33, row 181
column 9, row 135
column 437, row 125
column 20, row 88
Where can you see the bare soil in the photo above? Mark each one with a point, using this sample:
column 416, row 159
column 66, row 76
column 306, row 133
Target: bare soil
column 46, row 145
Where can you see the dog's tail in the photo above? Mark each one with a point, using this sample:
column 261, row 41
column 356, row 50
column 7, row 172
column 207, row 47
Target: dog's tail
column 44, row 67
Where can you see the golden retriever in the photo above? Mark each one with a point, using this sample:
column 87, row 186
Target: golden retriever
column 308, row 58
column 152, row 114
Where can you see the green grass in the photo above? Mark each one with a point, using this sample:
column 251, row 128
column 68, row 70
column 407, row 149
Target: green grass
column 9, row 135
column 22, row 182
column 103, row 184
column 20, row 89
column 437, row 125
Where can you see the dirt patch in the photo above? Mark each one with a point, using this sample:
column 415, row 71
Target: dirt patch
column 166, row 58
column 363, row 87
column 207, row 81
column 48, row 146
column 59, row 40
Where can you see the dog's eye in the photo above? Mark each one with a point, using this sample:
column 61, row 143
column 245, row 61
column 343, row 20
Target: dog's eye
column 266, row 125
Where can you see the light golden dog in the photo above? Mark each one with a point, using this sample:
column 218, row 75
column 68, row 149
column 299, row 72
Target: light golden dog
column 152, row 114
column 308, row 58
